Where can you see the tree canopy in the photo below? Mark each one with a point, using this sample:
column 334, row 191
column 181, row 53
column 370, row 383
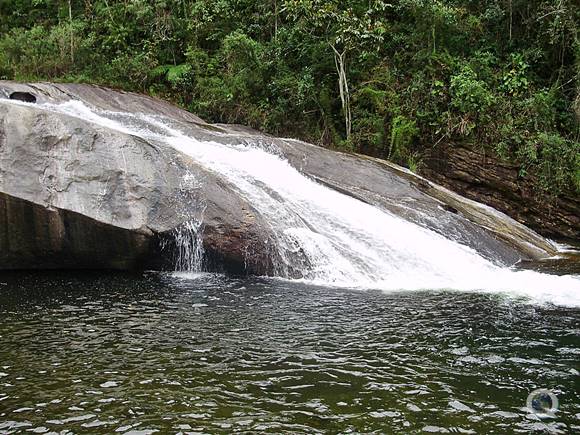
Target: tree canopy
column 390, row 79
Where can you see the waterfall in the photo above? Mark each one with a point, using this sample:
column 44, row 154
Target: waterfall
column 333, row 239
column 188, row 246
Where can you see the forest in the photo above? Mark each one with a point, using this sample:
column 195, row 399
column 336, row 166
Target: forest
column 387, row 79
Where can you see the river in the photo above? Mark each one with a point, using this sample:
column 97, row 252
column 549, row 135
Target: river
column 204, row 353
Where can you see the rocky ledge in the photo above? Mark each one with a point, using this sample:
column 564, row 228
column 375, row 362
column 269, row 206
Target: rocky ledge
column 481, row 176
column 74, row 194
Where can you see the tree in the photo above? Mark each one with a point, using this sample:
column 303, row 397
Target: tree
column 502, row 75
column 346, row 27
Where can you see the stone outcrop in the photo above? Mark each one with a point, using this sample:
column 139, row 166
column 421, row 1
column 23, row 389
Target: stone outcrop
column 483, row 177
column 75, row 194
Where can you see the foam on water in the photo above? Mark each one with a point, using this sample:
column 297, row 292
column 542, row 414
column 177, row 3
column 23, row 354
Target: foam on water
column 331, row 238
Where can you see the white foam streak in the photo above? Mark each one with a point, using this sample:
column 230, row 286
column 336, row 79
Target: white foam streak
column 335, row 239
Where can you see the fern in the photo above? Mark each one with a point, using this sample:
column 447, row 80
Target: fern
column 174, row 74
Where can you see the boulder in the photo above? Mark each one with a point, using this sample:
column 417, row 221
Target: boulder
column 77, row 195
column 74, row 194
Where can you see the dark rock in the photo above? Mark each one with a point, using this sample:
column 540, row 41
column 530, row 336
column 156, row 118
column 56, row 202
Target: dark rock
column 33, row 236
column 483, row 177
column 27, row 97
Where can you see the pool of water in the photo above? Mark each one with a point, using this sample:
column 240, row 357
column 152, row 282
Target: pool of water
column 115, row 353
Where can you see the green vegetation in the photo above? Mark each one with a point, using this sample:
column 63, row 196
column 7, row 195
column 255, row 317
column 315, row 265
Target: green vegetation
column 387, row 79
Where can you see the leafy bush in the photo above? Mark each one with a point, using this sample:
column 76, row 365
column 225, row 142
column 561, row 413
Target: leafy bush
column 469, row 94
column 403, row 131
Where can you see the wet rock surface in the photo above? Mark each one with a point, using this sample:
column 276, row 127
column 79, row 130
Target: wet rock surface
column 74, row 194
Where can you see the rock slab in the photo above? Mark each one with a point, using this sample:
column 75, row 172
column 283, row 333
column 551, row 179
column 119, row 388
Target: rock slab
column 74, row 194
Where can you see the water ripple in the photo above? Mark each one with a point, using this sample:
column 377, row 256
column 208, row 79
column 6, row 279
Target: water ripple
column 138, row 354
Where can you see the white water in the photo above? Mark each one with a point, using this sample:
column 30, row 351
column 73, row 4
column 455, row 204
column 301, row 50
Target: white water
column 332, row 238
column 188, row 248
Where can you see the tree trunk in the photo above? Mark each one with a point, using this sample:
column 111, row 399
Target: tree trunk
column 511, row 18
column 72, row 54
column 340, row 63
column 275, row 19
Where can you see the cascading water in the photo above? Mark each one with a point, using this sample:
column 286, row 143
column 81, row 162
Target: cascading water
column 187, row 241
column 331, row 238
column 187, row 246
